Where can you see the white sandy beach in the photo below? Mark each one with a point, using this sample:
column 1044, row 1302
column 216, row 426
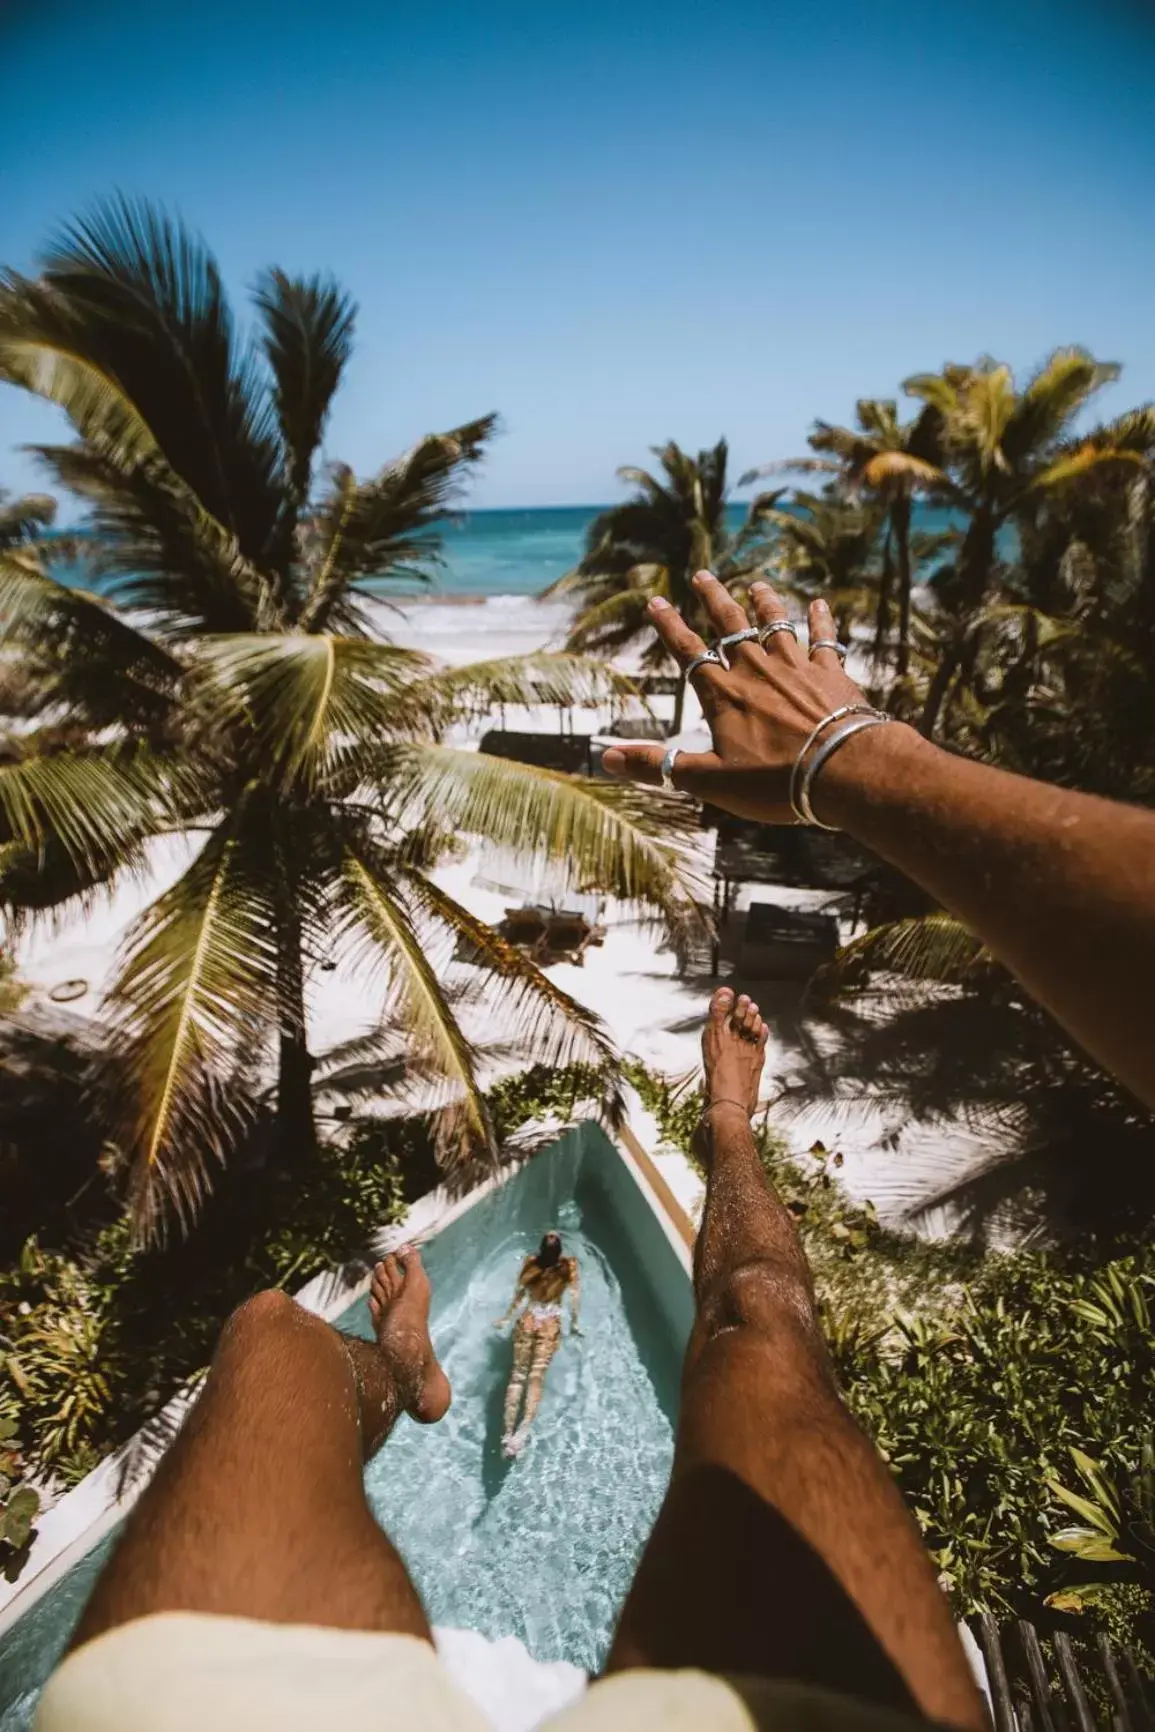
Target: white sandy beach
column 631, row 981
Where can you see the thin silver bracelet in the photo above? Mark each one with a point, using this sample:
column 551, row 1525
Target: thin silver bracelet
column 834, row 716
column 802, row 808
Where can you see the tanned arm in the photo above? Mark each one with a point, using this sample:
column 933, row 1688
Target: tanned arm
column 1060, row 886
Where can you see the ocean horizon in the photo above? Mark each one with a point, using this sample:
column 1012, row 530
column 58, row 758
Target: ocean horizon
column 515, row 551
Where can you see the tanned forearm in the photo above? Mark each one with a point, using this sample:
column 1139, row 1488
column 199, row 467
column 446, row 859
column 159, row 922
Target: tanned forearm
column 1060, row 886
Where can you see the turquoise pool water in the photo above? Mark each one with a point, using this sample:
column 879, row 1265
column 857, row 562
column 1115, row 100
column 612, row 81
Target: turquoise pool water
column 542, row 1548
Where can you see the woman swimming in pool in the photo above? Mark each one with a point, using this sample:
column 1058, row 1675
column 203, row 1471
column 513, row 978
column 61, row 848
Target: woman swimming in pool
column 544, row 1278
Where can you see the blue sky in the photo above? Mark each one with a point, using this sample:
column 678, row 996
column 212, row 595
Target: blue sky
column 618, row 223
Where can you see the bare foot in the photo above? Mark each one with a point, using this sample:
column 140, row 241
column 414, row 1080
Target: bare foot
column 733, row 1049
column 399, row 1307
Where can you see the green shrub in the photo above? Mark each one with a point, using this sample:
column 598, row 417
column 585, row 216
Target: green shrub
column 19, row 1503
column 96, row 1338
column 542, row 1092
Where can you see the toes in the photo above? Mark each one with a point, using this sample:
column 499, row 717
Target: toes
column 416, row 1279
column 763, row 1034
column 721, row 1004
column 739, row 1015
column 750, row 1025
column 386, row 1280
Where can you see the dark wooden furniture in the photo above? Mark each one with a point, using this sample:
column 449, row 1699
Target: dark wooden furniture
column 785, row 943
column 566, row 752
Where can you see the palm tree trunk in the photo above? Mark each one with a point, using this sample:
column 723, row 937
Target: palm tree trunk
column 885, row 588
column 975, row 562
column 936, row 692
column 976, row 558
column 679, row 704
column 296, row 1129
column 900, row 519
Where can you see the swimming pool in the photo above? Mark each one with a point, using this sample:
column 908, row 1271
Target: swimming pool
column 542, row 1548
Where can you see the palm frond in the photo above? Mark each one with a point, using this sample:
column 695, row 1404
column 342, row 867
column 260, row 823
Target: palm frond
column 21, row 520
column 925, row 948
column 1060, row 388
column 315, row 704
column 137, row 301
column 79, row 649
column 1081, row 461
column 549, row 1026
column 903, row 466
column 615, row 620
column 432, row 701
column 937, row 390
column 93, row 804
column 373, row 916
column 156, row 548
column 386, row 527
column 622, row 839
column 307, row 341
column 791, row 466
column 195, row 994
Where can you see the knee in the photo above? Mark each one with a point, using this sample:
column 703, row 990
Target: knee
column 767, row 1298
column 267, row 1312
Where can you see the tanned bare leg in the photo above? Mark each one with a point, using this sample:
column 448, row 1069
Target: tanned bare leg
column 258, row 1510
column 783, row 1549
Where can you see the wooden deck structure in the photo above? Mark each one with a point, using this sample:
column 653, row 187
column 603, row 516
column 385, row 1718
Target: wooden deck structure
column 1106, row 1695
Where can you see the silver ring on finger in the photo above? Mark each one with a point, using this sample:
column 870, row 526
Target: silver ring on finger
column 695, row 662
column 767, row 631
column 840, row 649
column 668, row 761
column 746, row 636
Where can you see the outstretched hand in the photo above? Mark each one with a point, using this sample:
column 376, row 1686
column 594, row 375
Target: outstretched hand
column 760, row 710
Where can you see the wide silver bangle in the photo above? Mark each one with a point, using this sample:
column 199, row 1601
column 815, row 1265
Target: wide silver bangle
column 802, row 782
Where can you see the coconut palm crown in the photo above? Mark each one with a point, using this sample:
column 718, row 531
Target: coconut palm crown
column 230, row 683
column 672, row 525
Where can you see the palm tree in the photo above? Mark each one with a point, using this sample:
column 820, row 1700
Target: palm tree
column 23, row 519
column 652, row 544
column 1004, row 447
column 1062, row 683
column 826, row 546
column 888, row 460
column 247, row 696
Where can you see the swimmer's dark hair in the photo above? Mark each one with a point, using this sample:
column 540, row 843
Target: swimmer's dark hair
column 549, row 1251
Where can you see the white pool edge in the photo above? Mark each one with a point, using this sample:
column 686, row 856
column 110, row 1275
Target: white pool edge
column 83, row 1516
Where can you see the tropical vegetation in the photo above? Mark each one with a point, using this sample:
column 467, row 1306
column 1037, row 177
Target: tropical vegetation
column 672, row 525
column 230, row 684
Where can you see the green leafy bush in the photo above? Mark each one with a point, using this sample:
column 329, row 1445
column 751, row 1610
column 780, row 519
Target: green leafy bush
column 19, row 1503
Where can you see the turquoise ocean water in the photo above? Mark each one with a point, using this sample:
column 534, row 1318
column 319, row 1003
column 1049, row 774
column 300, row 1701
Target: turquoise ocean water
column 520, row 551
column 512, row 552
